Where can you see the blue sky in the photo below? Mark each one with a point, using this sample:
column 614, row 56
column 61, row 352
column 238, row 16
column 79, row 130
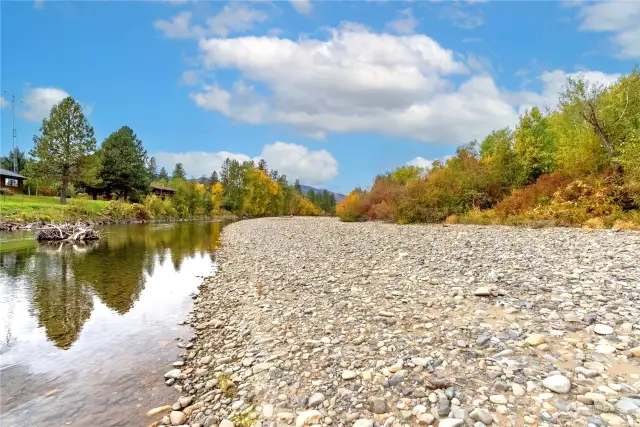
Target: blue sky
column 332, row 93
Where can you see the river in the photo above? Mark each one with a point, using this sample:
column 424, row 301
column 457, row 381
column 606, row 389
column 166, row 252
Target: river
column 88, row 331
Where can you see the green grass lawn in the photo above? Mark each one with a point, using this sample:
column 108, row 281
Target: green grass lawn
column 24, row 208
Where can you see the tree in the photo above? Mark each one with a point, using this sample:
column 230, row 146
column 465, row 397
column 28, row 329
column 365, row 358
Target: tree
column 262, row 165
column 124, row 163
column 232, row 176
column 152, row 168
column 297, row 186
column 178, row 172
column 65, row 139
column 535, row 146
column 163, row 175
column 214, row 178
column 16, row 156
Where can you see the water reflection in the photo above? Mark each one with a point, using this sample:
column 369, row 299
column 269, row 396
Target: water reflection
column 89, row 329
column 64, row 277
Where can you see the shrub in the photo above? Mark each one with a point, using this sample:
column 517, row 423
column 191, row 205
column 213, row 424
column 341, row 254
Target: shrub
column 524, row 199
column 119, row 210
column 5, row 192
column 155, row 206
column 79, row 206
column 353, row 207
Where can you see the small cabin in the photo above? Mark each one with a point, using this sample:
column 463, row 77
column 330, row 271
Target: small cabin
column 11, row 181
column 162, row 192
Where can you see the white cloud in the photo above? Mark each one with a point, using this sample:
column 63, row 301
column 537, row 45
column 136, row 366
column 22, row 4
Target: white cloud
column 38, row 101
column 420, row 162
column 298, row 162
column 197, row 163
column 405, row 24
column 295, row 161
column 302, row 6
column 460, row 18
column 4, row 102
column 552, row 83
column 179, row 27
column 356, row 81
column 235, row 17
column 621, row 18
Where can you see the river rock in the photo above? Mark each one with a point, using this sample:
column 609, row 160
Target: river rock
column 535, row 339
column 308, row 418
column 177, row 418
column 363, row 423
column 557, row 383
column 482, row 415
column 316, row 399
column 602, row 329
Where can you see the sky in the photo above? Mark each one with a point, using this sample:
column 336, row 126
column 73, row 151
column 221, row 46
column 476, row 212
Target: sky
column 331, row 93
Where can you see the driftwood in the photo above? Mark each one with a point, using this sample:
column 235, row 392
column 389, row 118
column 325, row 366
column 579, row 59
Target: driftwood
column 68, row 232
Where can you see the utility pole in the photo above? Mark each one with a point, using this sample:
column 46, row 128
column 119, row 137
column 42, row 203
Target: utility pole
column 14, row 133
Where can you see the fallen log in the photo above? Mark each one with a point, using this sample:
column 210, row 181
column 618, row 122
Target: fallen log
column 69, row 232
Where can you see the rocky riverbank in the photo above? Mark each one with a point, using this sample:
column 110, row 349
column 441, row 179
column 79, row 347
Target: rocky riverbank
column 315, row 322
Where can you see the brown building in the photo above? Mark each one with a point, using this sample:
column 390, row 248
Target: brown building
column 11, row 181
column 162, row 192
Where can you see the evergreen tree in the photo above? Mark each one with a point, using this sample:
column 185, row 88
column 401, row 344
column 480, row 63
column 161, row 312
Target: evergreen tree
column 297, row 187
column 214, row 178
column 65, row 139
column 179, row 172
column 124, row 162
column 163, row 175
column 152, row 168
column 262, row 165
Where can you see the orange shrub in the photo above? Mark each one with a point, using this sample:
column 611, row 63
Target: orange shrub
column 524, row 199
column 353, row 207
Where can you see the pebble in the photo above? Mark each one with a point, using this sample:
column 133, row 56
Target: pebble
column 498, row 399
column 557, row 383
column 602, row 329
column 316, row 399
column 535, row 339
column 349, row 375
column 177, row 418
column 468, row 324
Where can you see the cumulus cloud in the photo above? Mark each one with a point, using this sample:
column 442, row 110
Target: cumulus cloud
column 293, row 160
column 420, row 162
column 552, row 83
column 405, row 24
column 38, row 101
column 233, row 18
column 355, row 81
column 302, row 6
column 620, row 19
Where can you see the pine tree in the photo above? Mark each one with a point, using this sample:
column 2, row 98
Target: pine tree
column 65, row 139
column 179, row 172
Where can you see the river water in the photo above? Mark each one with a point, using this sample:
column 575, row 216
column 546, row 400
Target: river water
column 88, row 331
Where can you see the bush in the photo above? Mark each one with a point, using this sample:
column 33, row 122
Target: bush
column 5, row 192
column 539, row 193
column 155, row 206
column 119, row 210
column 353, row 207
column 79, row 206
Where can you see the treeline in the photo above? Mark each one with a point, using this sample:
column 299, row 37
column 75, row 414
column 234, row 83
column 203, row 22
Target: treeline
column 66, row 160
column 578, row 165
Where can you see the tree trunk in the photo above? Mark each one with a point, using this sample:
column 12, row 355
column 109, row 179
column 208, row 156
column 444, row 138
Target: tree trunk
column 65, row 187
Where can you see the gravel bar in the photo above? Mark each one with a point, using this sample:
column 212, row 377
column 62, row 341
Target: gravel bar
column 314, row 322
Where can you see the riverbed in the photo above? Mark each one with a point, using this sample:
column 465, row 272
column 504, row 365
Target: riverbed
column 88, row 330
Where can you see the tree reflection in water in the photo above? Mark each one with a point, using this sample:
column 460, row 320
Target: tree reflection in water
column 64, row 278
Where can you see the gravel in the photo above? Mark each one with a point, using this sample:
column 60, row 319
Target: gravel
column 310, row 321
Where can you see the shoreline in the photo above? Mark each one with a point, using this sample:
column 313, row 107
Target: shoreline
column 16, row 226
column 310, row 321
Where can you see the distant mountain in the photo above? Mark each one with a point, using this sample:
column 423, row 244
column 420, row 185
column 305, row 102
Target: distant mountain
column 306, row 188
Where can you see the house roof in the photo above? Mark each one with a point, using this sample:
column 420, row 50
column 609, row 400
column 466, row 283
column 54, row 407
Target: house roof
column 159, row 187
column 5, row 172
